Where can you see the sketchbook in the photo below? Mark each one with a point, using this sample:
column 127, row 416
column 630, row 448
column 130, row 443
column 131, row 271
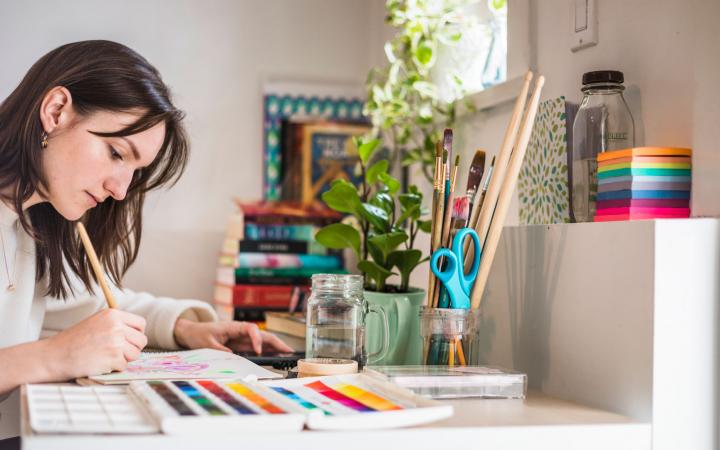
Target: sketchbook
column 189, row 364
column 182, row 407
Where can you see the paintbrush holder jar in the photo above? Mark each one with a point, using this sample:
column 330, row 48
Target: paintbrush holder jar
column 450, row 336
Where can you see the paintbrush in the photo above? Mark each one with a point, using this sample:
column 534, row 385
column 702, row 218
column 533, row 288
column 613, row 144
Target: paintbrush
column 437, row 213
column 446, row 228
column 477, row 167
column 438, row 221
column 447, row 146
column 472, row 222
column 461, row 208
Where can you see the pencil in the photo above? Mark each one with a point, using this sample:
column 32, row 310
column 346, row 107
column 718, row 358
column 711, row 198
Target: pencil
column 95, row 263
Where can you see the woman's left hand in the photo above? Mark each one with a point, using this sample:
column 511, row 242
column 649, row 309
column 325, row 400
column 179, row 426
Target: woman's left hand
column 227, row 336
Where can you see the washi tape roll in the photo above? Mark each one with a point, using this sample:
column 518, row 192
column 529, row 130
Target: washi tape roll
column 326, row 366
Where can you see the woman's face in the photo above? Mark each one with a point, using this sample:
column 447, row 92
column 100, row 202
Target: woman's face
column 83, row 169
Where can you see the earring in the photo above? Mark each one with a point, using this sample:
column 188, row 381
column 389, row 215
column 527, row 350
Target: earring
column 44, row 139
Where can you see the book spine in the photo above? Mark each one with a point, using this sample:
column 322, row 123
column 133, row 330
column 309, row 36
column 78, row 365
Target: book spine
column 284, row 281
column 293, row 247
column 303, row 272
column 258, row 296
column 275, row 219
column 272, row 260
column 252, row 314
column 280, row 232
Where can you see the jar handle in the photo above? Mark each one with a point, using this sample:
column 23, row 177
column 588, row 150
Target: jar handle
column 380, row 355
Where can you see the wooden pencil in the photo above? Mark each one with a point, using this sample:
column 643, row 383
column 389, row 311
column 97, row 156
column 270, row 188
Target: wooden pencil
column 95, row 264
column 505, row 198
column 501, row 163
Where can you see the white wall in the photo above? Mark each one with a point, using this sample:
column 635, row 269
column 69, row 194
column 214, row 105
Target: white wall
column 214, row 55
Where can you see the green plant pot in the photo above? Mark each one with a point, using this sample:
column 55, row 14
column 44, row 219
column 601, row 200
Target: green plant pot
column 403, row 315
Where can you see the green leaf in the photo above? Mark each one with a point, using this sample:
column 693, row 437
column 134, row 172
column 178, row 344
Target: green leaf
column 412, row 212
column 389, row 52
column 424, row 54
column 366, row 149
column 383, row 200
column 375, row 272
column 411, row 198
column 425, row 225
column 339, row 235
column 392, row 183
column 387, row 242
column 377, row 216
column 376, row 253
column 404, row 260
column 342, row 197
column 373, row 172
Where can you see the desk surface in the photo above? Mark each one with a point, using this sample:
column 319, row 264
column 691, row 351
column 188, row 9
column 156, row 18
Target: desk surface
column 539, row 422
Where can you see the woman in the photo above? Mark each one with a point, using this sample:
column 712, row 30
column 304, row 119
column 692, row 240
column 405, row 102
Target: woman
column 89, row 130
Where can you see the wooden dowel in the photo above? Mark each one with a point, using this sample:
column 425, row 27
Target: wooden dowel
column 508, row 188
column 95, row 263
column 501, row 163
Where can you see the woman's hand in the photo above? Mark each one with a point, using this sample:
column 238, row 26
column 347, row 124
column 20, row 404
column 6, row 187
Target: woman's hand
column 104, row 342
column 227, row 336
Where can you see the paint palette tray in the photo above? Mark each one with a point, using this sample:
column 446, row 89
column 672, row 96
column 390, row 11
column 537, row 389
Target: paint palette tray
column 76, row 409
column 181, row 407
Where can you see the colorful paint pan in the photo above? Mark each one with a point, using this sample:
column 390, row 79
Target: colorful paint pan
column 199, row 398
column 323, row 389
column 171, row 398
column 225, row 396
column 367, row 398
column 299, row 400
column 255, row 398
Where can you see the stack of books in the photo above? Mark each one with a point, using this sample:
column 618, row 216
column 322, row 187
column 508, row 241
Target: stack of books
column 269, row 249
column 643, row 183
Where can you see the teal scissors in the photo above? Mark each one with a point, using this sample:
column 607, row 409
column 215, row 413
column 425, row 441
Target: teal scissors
column 457, row 283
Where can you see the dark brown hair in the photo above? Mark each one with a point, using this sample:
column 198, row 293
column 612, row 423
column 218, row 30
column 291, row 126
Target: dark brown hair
column 101, row 76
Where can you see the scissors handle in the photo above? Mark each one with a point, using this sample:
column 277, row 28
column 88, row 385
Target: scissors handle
column 467, row 280
column 450, row 276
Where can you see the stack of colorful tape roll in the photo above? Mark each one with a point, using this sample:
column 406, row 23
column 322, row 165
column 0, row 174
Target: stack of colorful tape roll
column 643, row 183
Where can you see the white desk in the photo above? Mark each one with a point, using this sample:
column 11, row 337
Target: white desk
column 540, row 422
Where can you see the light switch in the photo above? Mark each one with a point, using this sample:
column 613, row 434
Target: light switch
column 583, row 24
column 580, row 15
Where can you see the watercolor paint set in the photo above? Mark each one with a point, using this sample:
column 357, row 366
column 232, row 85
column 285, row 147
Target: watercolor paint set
column 344, row 402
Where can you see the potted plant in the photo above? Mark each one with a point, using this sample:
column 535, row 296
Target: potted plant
column 409, row 100
column 382, row 236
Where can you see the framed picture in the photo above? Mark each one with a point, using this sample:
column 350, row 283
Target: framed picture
column 309, row 100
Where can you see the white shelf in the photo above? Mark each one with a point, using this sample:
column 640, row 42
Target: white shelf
column 539, row 422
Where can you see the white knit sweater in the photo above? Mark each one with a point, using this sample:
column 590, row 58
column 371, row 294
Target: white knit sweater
column 26, row 314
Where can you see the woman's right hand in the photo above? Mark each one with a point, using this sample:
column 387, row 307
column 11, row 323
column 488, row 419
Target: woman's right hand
column 103, row 342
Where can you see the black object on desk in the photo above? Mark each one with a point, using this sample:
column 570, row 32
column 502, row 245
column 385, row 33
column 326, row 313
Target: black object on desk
column 280, row 361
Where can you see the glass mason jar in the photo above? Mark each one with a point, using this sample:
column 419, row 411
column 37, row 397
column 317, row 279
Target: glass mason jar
column 603, row 122
column 336, row 313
